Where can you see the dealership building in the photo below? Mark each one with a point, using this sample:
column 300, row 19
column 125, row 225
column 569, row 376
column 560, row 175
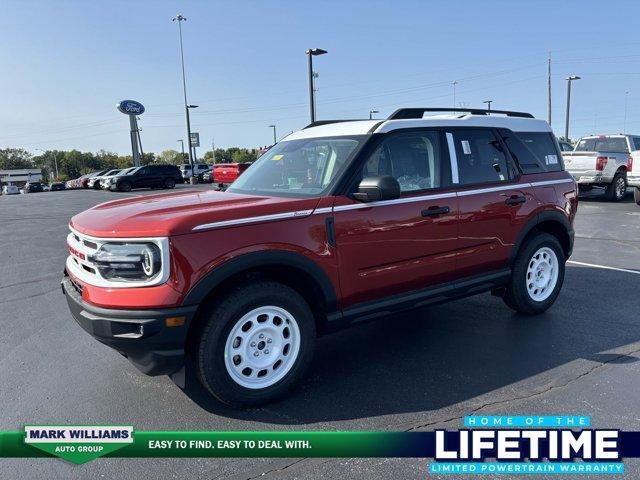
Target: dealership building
column 19, row 177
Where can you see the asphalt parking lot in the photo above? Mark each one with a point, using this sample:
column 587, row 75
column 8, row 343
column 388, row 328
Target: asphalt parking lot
column 420, row 370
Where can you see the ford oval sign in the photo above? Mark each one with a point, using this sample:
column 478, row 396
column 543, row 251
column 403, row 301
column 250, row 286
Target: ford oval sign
column 130, row 107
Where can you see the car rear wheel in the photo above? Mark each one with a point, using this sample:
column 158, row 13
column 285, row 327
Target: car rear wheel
column 256, row 344
column 537, row 275
column 617, row 189
column 169, row 183
column 124, row 186
column 636, row 195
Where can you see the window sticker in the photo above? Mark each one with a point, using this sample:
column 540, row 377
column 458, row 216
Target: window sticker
column 277, row 157
column 551, row 159
column 466, row 148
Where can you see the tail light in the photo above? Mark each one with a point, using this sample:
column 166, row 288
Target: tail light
column 629, row 163
column 601, row 162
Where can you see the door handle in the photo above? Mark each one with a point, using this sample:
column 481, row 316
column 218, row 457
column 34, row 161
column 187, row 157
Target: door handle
column 515, row 200
column 434, row 211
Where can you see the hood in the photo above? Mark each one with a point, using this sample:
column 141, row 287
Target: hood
column 171, row 214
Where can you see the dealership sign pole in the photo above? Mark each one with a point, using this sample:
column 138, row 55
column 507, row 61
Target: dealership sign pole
column 133, row 109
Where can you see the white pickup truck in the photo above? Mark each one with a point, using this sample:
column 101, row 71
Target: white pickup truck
column 605, row 161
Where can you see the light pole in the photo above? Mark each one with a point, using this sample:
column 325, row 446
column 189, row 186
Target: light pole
column 371, row 112
column 213, row 150
column 313, row 52
column 274, row 134
column 488, row 102
column 570, row 79
column 626, row 97
column 179, row 18
column 55, row 160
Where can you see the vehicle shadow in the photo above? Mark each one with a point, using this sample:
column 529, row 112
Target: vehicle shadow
column 435, row 357
column 597, row 195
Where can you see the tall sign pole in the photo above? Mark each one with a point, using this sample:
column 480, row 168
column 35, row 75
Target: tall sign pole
column 133, row 109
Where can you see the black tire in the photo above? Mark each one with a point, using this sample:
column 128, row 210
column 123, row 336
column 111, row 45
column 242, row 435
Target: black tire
column 222, row 317
column 617, row 189
column 169, row 183
column 124, row 186
column 636, row 195
column 517, row 295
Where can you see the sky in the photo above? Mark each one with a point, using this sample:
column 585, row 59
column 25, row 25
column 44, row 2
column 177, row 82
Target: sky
column 66, row 64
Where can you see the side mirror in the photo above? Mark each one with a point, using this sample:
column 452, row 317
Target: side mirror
column 373, row 189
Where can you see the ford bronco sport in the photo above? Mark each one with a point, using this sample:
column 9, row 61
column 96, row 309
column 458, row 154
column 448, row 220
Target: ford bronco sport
column 340, row 222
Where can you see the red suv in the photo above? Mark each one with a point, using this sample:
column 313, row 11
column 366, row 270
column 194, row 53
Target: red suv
column 338, row 223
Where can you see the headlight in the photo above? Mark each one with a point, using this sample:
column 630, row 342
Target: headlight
column 128, row 261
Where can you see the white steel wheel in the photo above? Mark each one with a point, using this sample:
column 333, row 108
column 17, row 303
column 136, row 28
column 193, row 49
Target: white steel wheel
column 542, row 274
column 262, row 347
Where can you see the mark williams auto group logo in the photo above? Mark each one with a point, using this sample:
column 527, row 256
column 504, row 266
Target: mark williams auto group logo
column 78, row 444
column 535, row 449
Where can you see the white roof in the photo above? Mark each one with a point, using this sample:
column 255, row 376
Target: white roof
column 362, row 127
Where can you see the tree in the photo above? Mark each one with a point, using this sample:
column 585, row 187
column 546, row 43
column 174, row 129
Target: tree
column 15, row 158
column 242, row 155
column 170, row 157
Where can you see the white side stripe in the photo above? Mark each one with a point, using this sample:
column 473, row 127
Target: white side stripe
column 262, row 218
column 357, row 206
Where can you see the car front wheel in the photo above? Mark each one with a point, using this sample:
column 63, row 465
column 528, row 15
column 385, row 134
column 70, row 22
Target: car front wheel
column 537, row 275
column 256, row 344
column 124, row 187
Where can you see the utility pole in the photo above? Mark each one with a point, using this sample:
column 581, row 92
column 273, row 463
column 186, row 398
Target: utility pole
column 549, row 90
column 182, row 145
column 213, row 149
column 275, row 140
column 455, row 82
column 626, row 97
column 570, row 79
column 312, row 52
column 180, row 19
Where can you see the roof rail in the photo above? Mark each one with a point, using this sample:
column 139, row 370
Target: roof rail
column 404, row 113
column 317, row 123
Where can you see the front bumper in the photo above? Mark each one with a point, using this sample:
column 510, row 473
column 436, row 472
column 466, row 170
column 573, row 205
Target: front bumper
column 140, row 335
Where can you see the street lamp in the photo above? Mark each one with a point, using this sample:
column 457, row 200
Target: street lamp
column 274, row 134
column 371, row 112
column 179, row 18
column 313, row 52
column 55, row 161
column 566, row 125
column 455, row 83
column 488, row 102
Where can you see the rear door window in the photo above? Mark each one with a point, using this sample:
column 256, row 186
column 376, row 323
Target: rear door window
column 636, row 143
column 481, row 158
column 539, row 145
column 603, row 144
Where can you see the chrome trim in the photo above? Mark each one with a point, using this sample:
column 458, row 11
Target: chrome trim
column 551, row 182
column 398, row 201
column 493, row 189
column 453, row 158
column 259, row 219
column 323, row 210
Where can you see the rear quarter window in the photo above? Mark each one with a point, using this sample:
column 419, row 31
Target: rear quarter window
column 535, row 152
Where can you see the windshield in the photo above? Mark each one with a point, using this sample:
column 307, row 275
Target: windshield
column 128, row 171
column 298, row 168
column 111, row 172
column 603, row 144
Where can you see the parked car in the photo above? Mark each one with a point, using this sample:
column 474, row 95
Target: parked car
column 338, row 223
column 33, row 187
column 10, row 190
column 224, row 174
column 604, row 161
column 205, row 177
column 150, row 176
column 83, row 181
column 94, row 182
column 105, row 180
column 199, row 168
column 565, row 146
column 56, row 186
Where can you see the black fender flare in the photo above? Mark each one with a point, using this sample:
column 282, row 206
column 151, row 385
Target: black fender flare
column 253, row 260
column 544, row 216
